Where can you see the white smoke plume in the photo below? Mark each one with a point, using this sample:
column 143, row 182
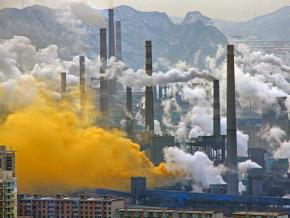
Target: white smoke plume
column 196, row 168
column 255, row 78
column 157, row 128
column 244, row 166
column 86, row 13
column 242, row 141
column 24, row 70
column 242, row 187
column 258, row 57
column 273, row 136
column 283, row 150
column 139, row 78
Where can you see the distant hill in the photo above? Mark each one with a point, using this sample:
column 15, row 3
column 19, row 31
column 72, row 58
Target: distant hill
column 191, row 41
column 274, row 26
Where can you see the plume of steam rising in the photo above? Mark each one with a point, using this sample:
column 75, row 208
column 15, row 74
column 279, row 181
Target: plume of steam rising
column 18, row 72
column 242, row 187
column 189, row 166
column 52, row 139
column 283, row 150
column 86, row 13
column 157, row 128
column 244, row 166
column 139, row 78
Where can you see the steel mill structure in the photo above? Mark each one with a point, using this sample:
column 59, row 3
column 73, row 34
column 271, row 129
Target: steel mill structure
column 263, row 188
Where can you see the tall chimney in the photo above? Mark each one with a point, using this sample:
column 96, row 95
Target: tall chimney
column 149, row 106
column 233, row 182
column 104, row 98
column 119, row 57
column 112, row 53
column 216, row 109
column 82, row 82
column 112, row 45
column 129, row 119
column 63, row 82
column 119, row 52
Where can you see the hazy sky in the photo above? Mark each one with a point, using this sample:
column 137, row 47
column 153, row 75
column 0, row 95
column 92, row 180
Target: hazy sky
column 222, row 9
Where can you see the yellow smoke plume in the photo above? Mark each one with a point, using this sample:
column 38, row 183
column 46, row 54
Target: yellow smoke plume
column 56, row 152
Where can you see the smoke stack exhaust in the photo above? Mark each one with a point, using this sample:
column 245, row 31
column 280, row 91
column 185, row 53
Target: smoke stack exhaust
column 104, row 98
column 216, row 109
column 82, row 82
column 149, row 106
column 63, row 83
column 233, row 182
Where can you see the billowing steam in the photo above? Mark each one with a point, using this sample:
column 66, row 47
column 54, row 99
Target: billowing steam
column 245, row 166
column 189, row 167
column 86, row 13
column 51, row 138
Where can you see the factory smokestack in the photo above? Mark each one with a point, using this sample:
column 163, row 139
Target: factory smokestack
column 63, row 82
column 233, row 182
column 119, row 52
column 129, row 98
column 216, row 109
column 112, row 45
column 129, row 117
column 112, row 53
column 149, row 106
column 82, row 82
column 104, row 99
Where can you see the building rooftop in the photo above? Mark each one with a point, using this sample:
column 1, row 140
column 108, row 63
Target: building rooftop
column 162, row 210
column 256, row 213
column 63, row 198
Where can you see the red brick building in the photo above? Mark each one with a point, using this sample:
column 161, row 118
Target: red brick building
column 61, row 207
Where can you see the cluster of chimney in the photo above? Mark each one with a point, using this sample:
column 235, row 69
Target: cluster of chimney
column 108, row 90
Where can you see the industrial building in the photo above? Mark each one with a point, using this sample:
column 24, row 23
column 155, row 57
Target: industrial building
column 58, row 207
column 214, row 146
column 182, row 200
column 117, row 104
column 8, row 186
column 166, row 213
column 244, row 214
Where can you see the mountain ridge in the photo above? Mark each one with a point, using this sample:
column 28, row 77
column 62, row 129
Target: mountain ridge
column 273, row 26
column 175, row 42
